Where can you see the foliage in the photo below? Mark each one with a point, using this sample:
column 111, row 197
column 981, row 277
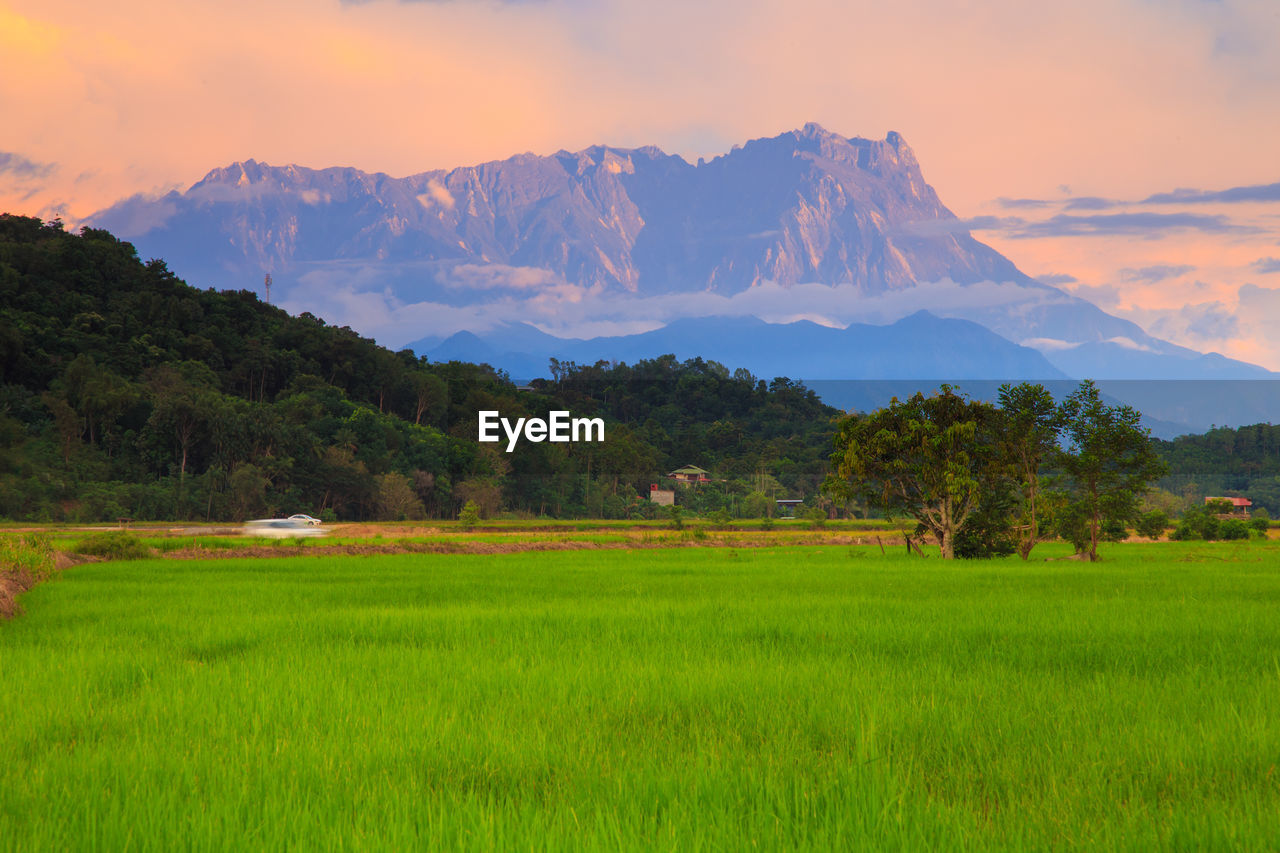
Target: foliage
column 126, row 393
column 469, row 516
column 1197, row 524
column 1109, row 463
column 1113, row 530
column 1071, row 523
column 1241, row 461
column 1029, row 432
column 988, row 481
column 1163, row 500
column 925, row 458
column 1233, row 529
column 676, row 513
column 993, row 528
column 1152, row 524
column 397, row 500
column 114, row 545
column 755, row 505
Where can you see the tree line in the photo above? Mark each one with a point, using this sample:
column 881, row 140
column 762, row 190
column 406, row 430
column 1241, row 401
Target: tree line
column 986, row 479
column 124, row 392
column 1240, row 461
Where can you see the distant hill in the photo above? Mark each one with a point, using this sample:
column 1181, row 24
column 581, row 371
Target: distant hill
column 863, row 366
column 124, row 392
column 918, row 345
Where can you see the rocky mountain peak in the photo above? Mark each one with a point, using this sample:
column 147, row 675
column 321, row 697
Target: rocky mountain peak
column 808, row 205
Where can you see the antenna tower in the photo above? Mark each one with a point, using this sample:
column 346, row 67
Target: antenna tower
column 267, row 284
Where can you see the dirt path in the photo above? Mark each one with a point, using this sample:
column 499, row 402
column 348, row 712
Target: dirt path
column 477, row 546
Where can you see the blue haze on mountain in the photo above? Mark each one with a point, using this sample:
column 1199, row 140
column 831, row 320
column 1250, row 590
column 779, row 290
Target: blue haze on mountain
column 915, row 346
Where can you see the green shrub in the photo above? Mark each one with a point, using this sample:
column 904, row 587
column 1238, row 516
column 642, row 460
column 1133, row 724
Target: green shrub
column 470, row 515
column 1113, row 530
column 1197, row 524
column 1233, row 529
column 677, row 517
column 721, row 518
column 816, row 517
column 1260, row 524
column 1072, row 524
column 114, row 545
column 766, row 523
column 1152, row 524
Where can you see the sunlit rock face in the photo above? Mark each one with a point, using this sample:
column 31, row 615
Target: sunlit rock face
column 804, row 225
column 806, row 206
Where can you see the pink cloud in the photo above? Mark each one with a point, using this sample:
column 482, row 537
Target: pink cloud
column 1118, row 100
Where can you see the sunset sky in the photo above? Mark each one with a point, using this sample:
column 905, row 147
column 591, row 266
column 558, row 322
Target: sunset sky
column 1126, row 150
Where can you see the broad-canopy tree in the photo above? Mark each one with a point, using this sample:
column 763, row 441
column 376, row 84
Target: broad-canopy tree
column 1109, row 461
column 925, row 458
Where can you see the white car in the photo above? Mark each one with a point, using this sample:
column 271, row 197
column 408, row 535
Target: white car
column 280, row 528
column 305, row 519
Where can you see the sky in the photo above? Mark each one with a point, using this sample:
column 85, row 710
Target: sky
column 1125, row 151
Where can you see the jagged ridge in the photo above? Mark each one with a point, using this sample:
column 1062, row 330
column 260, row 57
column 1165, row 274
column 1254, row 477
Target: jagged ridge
column 808, row 205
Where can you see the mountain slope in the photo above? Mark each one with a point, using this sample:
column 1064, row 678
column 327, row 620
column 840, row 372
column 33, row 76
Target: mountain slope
column 804, row 206
column 806, row 224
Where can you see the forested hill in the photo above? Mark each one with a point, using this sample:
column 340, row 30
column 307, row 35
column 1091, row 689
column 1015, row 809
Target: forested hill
column 1244, row 461
column 125, row 392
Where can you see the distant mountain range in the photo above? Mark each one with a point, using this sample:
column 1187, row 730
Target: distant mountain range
column 916, row 353
column 920, row 345
column 805, row 226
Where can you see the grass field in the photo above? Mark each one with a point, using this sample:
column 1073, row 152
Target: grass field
column 684, row 699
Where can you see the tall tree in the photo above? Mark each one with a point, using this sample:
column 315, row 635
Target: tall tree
column 429, row 396
column 1032, row 423
column 184, row 405
column 1109, row 460
column 925, row 458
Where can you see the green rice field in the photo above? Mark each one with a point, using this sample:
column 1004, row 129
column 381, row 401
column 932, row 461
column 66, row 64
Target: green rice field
column 696, row 698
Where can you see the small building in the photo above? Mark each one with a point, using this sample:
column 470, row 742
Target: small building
column 690, row 475
column 661, row 497
column 1239, row 506
column 787, row 507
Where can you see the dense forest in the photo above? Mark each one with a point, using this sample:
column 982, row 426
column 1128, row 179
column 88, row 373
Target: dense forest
column 124, row 392
column 1228, row 462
